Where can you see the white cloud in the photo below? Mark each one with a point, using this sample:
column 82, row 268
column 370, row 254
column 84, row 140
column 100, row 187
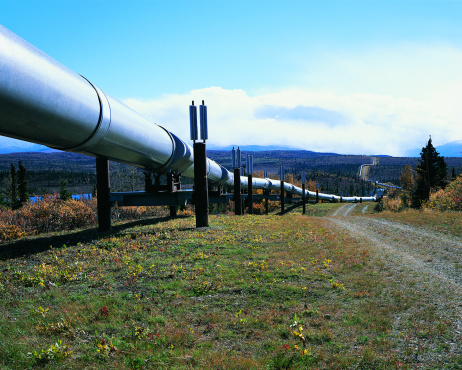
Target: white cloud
column 378, row 101
column 368, row 123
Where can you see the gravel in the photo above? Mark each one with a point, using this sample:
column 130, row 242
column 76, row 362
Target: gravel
column 426, row 262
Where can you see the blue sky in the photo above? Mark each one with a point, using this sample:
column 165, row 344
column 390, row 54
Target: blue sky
column 360, row 77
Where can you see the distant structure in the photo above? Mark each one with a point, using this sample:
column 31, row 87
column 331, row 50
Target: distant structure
column 365, row 167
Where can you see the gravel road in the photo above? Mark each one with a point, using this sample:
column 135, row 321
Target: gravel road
column 427, row 261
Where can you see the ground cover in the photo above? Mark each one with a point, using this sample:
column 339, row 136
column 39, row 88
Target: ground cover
column 448, row 222
column 248, row 292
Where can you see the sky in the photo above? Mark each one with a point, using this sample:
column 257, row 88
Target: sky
column 351, row 77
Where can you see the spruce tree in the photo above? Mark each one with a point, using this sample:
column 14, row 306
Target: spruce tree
column 22, row 184
column 13, row 188
column 431, row 174
column 64, row 193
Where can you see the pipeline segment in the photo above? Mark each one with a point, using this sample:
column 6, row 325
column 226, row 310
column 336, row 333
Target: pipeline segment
column 43, row 102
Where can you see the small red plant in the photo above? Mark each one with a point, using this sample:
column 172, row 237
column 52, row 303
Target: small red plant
column 104, row 311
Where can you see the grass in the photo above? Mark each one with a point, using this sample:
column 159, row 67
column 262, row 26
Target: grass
column 167, row 295
column 448, row 222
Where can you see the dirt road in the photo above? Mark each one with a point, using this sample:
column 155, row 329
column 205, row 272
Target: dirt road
column 423, row 261
column 421, row 249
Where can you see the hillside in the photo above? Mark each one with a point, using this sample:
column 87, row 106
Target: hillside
column 334, row 172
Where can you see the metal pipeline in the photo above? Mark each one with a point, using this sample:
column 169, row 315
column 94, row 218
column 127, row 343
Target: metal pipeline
column 43, row 102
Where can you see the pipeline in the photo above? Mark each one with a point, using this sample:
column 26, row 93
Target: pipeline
column 43, row 102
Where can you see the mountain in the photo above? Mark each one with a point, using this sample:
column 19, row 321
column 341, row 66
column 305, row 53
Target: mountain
column 251, row 148
column 23, row 148
column 452, row 149
column 267, row 148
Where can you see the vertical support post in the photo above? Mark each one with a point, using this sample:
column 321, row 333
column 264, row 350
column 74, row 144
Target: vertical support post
column 250, row 194
column 303, row 179
column 282, row 198
column 281, row 177
column 171, row 188
column 237, row 192
column 266, row 192
column 201, row 188
column 317, row 196
column 147, row 182
column 103, row 188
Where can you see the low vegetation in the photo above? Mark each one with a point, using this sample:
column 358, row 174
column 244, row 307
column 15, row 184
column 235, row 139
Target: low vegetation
column 447, row 199
column 52, row 213
column 248, row 292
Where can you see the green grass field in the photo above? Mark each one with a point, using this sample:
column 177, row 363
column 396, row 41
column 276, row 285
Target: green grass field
column 249, row 292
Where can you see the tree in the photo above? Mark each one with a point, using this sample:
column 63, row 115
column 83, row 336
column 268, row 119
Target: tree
column 64, row 193
column 407, row 178
column 431, row 174
column 13, row 188
column 22, row 184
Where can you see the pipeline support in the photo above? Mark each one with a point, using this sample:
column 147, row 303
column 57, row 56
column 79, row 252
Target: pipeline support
column 201, row 188
column 250, row 194
column 237, row 192
column 103, row 188
column 282, row 198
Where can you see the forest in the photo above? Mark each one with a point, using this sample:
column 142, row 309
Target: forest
column 334, row 172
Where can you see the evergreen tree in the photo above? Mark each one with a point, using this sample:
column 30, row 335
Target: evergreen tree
column 22, row 184
column 453, row 174
column 64, row 193
column 431, row 174
column 13, row 188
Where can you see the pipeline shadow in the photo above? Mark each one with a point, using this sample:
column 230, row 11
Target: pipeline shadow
column 39, row 244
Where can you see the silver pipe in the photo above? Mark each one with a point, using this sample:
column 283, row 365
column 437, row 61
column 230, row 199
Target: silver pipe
column 42, row 101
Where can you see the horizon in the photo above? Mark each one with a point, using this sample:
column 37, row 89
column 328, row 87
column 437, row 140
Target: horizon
column 356, row 77
column 257, row 148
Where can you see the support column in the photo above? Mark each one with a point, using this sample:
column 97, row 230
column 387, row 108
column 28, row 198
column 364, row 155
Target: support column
column 266, row 192
column 201, row 195
column 250, row 194
column 171, row 188
column 282, row 198
column 303, row 198
column 147, row 182
column 103, row 188
column 237, row 192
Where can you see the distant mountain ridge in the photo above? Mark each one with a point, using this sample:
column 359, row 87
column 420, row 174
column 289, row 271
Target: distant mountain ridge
column 451, row 149
column 267, row 148
column 22, row 149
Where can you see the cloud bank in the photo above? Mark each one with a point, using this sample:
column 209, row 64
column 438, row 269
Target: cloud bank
column 311, row 120
column 378, row 101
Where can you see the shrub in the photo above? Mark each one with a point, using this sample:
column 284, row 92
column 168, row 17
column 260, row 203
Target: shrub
column 395, row 201
column 50, row 214
column 447, row 199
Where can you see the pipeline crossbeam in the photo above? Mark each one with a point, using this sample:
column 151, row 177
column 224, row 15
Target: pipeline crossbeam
column 43, row 102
